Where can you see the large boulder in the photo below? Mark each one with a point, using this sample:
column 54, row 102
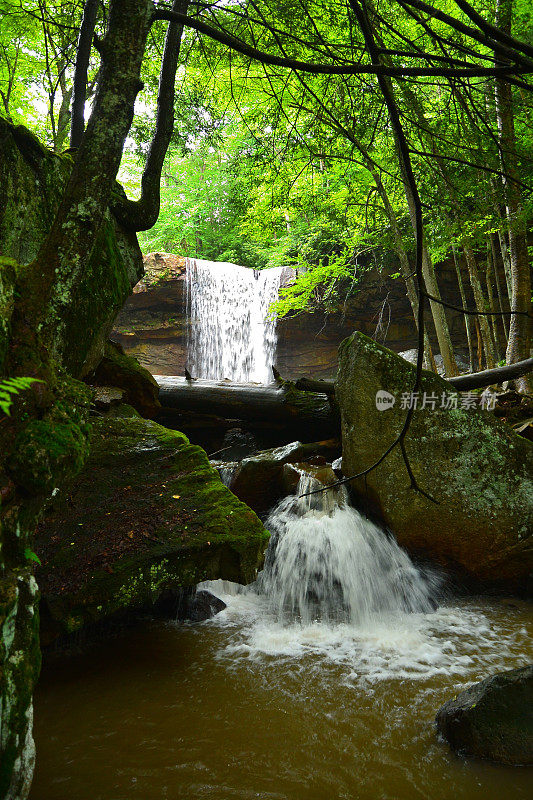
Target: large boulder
column 148, row 515
column 476, row 469
column 493, row 719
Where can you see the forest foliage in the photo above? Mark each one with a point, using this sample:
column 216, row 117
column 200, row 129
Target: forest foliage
column 275, row 167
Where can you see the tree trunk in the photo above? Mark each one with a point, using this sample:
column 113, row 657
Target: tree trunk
column 405, row 267
column 430, row 278
column 519, row 343
column 467, row 317
column 61, row 259
column 481, row 303
column 502, row 305
column 489, row 275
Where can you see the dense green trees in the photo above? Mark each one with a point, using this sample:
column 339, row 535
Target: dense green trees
column 269, row 165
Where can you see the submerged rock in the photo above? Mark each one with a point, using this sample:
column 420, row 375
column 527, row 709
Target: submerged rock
column 477, row 470
column 148, row 514
column 493, row 719
column 203, row 605
column 260, row 482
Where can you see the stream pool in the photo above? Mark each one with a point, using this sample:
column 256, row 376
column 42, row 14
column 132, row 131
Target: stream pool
column 241, row 707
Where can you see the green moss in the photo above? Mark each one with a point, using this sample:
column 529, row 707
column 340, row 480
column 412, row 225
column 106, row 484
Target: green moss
column 474, row 466
column 20, row 663
column 140, row 387
column 45, row 453
column 51, row 449
column 32, row 180
column 147, row 514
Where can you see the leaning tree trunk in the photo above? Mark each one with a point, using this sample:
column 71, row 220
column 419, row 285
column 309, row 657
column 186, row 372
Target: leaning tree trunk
column 430, row 279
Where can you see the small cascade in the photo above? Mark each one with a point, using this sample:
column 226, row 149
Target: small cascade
column 231, row 334
column 326, row 562
column 226, row 470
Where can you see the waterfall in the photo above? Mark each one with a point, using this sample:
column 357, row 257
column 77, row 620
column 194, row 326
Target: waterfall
column 326, row 561
column 231, row 335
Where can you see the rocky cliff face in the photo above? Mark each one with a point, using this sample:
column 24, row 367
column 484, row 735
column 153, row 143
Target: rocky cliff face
column 154, row 325
column 44, row 441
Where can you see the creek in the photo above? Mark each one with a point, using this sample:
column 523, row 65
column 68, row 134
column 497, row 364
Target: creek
column 320, row 681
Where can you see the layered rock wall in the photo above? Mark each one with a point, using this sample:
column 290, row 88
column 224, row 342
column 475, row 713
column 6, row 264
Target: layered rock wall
column 154, row 326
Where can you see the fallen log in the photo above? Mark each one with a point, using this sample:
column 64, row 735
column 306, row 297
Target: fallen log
column 273, row 403
column 477, row 380
column 462, row 383
column 311, row 385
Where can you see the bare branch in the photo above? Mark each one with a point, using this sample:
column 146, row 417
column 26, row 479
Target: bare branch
column 79, row 92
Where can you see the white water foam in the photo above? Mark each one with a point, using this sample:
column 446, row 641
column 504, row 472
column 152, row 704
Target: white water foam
column 232, row 335
column 337, row 590
column 326, row 562
column 466, row 641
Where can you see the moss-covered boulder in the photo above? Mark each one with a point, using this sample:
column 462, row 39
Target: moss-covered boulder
column 7, row 297
column 147, row 516
column 477, row 470
column 493, row 719
column 141, row 389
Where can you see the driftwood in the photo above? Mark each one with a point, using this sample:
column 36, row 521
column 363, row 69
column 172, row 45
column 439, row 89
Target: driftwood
column 275, row 403
column 462, row 383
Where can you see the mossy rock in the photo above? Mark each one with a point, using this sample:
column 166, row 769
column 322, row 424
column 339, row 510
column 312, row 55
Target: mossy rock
column 476, row 469
column 7, row 297
column 20, row 662
column 147, row 515
column 140, row 387
column 49, row 451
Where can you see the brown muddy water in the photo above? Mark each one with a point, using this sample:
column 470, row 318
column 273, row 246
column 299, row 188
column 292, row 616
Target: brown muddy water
column 243, row 707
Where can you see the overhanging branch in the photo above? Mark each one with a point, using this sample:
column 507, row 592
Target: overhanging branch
column 342, row 69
